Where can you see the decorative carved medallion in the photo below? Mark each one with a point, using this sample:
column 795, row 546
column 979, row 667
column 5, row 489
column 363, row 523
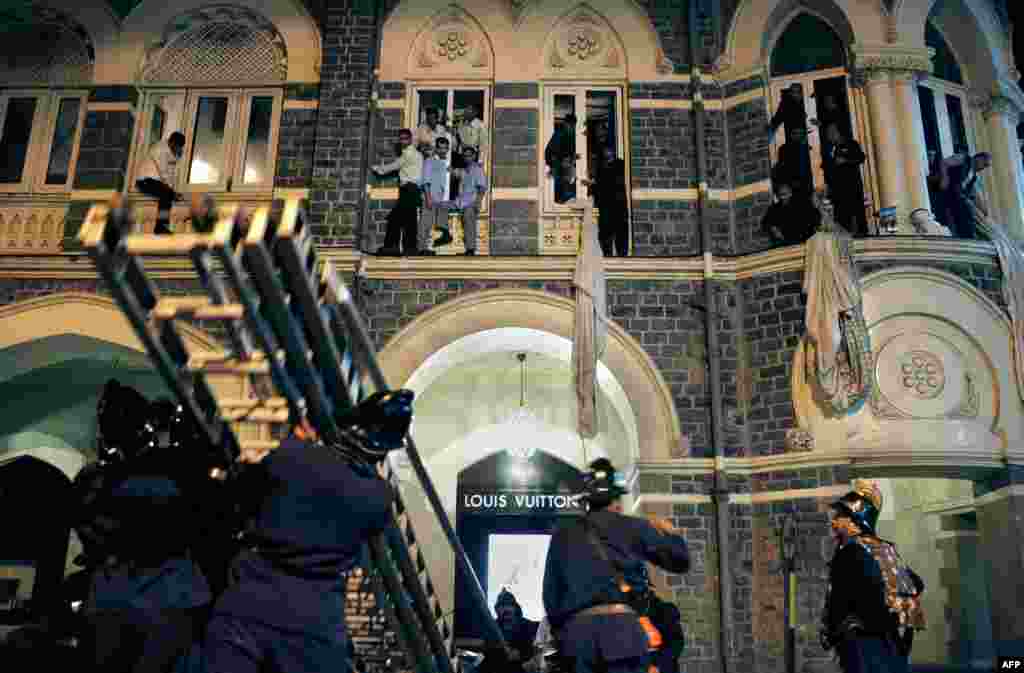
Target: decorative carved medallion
column 452, row 43
column 922, row 374
column 583, row 43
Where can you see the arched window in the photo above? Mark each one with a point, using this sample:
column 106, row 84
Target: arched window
column 807, row 44
column 46, row 60
column 216, row 75
column 943, row 100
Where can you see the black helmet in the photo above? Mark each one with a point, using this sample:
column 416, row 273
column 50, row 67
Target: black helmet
column 122, row 416
column 379, row 424
column 863, row 505
column 602, row 484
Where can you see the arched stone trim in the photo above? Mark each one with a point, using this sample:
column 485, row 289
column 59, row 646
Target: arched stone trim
column 149, row 21
column 27, row 54
column 69, row 461
column 87, row 315
column 452, row 45
column 786, row 12
column 977, row 39
column 190, row 52
column 583, row 45
column 656, row 418
column 516, row 30
column 757, row 24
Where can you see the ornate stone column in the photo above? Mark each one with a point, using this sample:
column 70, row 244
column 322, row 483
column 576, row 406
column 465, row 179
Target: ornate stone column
column 1007, row 184
column 912, row 142
column 885, row 138
column 889, row 76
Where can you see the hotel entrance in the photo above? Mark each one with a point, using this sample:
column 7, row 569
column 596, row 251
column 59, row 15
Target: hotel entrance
column 508, row 508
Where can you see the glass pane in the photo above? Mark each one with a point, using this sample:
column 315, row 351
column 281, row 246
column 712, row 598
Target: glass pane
column 602, row 126
column 560, row 152
column 257, row 141
column 957, row 128
column 14, row 142
column 207, row 164
column 930, row 122
column 166, row 112
column 63, row 141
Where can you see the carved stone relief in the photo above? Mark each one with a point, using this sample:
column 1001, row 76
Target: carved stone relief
column 583, row 43
column 453, row 43
column 926, row 368
column 32, row 229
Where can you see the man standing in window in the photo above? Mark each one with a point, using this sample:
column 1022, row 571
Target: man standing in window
column 472, row 186
column 472, row 132
column 609, row 192
column 843, row 179
column 402, row 221
column 157, row 175
column 794, row 165
column 436, row 198
column 560, row 156
column 432, row 129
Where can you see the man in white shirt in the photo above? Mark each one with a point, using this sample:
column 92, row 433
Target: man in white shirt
column 472, row 132
column 432, row 129
column 472, row 187
column 157, row 176
column 400, row 235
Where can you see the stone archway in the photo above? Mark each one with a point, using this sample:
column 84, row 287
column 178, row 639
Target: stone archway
column 69, row 324
column 657, row 424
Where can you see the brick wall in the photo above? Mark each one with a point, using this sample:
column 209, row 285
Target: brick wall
column 664, row 228
column 662, row 152
column 348, row 36
column 296, row 144
column 514, row 156
column 514, row 228
column 103, row 152
column 773, row 317
column 659, row 315
column 387, row 123
column 716, row 147
column 747, row 215
column 669, row 20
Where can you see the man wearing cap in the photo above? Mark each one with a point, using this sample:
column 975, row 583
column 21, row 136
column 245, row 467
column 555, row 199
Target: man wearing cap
column 874, row 600
column 519, row 633
column 560, row 157
column 594, row 579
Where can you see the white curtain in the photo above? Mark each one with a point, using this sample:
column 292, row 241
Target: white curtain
column 590, row 329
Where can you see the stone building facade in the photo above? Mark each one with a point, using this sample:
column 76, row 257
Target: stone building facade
column 288, row 99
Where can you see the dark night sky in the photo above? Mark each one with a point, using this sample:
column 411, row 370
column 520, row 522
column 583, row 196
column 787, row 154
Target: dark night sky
column 1016, row 11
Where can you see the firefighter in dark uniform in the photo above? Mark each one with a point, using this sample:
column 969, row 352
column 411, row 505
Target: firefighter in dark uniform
column 136, row 519
column 594, row 576
column 874, row 600
column 313, row 505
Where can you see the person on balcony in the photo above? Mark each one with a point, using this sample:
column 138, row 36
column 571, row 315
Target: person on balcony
column 844, row 182
column 436, row 198
column 472, row 187
column 794, row 165
column 791, row 112
column 609, row 192
column 560, row 157
column 402, row 222
column 790, row 221
column 958, row 182
column 157, row 176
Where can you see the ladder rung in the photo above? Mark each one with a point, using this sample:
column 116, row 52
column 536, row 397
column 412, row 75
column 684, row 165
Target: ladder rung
column 199, row 308
column 239, row 403
column 157, row 244
column 229, row 366
column 259, row 444
column 255, row 415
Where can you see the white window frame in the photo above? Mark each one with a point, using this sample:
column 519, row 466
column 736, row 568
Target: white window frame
column 486, row 116
column 940, row 89
column 37, row 157
column 579, row 91
column 239, row 109
column 806, row 80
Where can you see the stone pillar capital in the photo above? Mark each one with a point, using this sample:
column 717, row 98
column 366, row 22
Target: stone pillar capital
column 900, row 62
column 1002, row 106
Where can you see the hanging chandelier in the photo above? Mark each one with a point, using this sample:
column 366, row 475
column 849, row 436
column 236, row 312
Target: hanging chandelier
column 520, row 444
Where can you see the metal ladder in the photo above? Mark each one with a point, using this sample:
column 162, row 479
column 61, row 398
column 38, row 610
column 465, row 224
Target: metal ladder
column 300, row 348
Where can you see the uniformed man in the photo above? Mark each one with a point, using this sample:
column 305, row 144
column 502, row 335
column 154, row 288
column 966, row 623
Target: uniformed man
column 593, row 578
column 136, row 519
column 313, row 505
column 874, row 600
